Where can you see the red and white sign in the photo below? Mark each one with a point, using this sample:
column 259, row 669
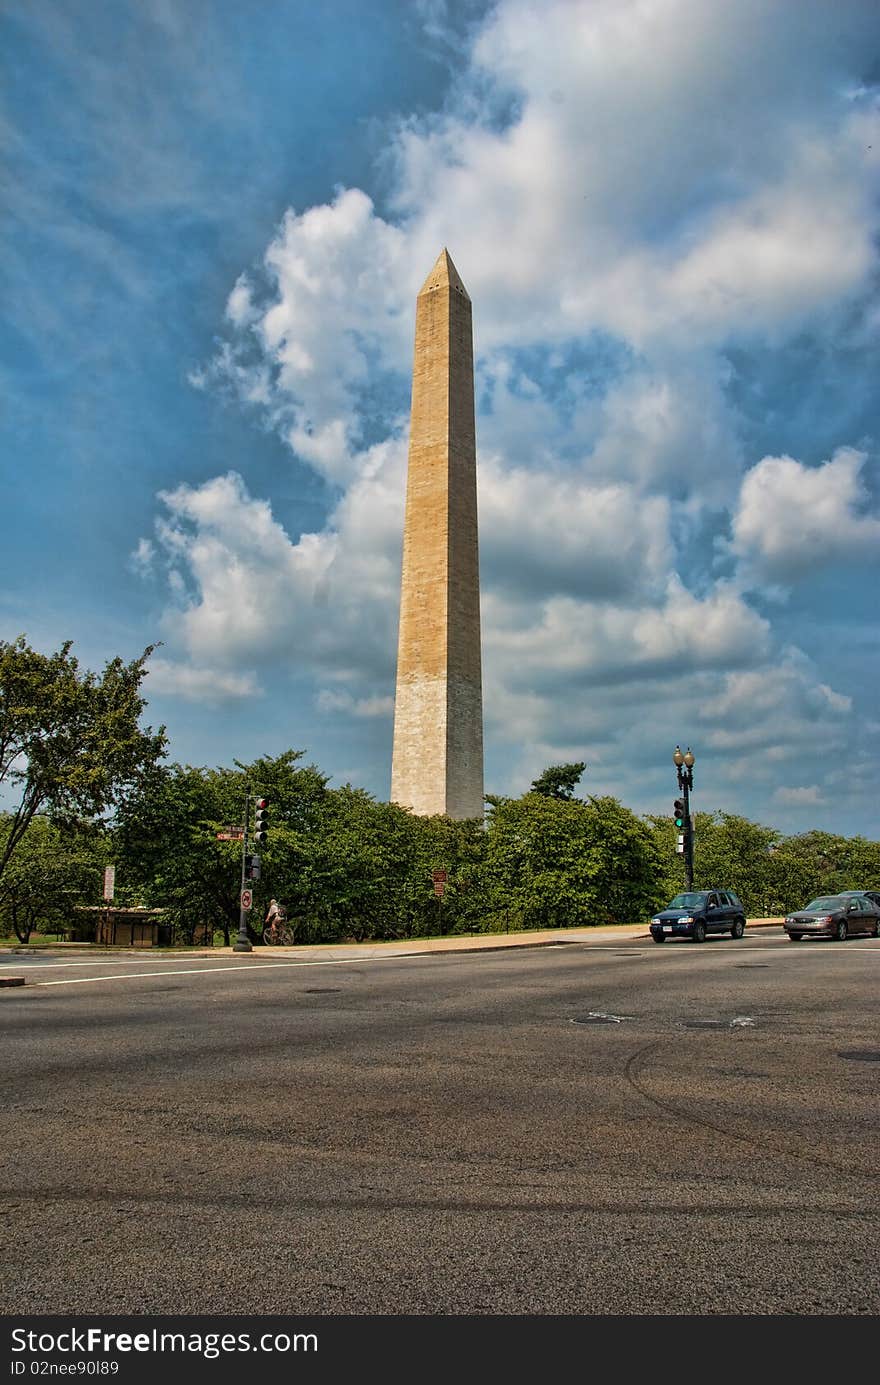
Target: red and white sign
column 232, row 834
column 439, row 878
column 247, row 899
column 109, row 881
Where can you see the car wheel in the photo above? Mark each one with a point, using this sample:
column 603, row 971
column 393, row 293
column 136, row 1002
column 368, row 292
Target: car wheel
column 795, row 937
column 875, row 931
column 659, row 937
column 699, row 932
column 738, row 928
column 840, row 931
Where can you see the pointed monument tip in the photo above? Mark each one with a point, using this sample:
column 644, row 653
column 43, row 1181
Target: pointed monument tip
column 444, row 275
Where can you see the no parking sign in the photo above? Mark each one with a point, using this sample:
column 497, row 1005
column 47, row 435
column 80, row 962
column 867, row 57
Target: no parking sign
column 247, row 899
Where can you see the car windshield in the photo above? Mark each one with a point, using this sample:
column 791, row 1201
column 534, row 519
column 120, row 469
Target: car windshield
column 687, row 901
column 815, row 906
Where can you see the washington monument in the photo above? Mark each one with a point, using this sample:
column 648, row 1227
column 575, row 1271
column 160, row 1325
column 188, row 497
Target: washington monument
column 437, row 762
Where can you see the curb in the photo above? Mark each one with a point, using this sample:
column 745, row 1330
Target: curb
column 402, row 946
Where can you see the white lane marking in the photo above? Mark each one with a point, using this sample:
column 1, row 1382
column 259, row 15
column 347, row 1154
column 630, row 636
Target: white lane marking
column 268, row 966
column 248, row 966
column 91, row 962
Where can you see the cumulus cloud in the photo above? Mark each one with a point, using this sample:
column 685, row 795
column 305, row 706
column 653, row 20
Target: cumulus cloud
column 330, row 308
column 566, row 534
column 792, row 518
column 244, row 593
column 783, row 712
column 638, row 175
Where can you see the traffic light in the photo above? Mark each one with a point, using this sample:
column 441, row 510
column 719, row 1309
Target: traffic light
column 251, row 867
column 261, row 820
column 678, row 807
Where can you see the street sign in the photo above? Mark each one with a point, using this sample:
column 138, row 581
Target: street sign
column 679, row 846
column 109, row 881
column 439, row 877
column 247, row 899
column 232, row 834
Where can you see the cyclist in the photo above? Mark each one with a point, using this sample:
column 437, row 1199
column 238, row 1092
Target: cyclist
column 274, row 916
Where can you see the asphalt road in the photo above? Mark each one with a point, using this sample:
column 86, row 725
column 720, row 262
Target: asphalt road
column 590, row 1129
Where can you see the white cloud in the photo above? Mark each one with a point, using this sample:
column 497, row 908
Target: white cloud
column 141, row 560
column 205, row 685
column 767, row 716
column 331, row 701
column 603, row 642
column 792, row 519
column 638, row 177
column 245, row 595
column 805, row 796
column 334, row 302
column 240, row 307
column 554, row 531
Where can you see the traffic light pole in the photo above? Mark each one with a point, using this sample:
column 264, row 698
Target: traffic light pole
column 688, row 840
column 684, row 765
column 243, row 942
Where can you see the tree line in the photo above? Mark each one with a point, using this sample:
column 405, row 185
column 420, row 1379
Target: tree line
column 92, row 787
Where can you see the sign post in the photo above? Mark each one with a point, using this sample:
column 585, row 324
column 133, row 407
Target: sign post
column 439, row 878
column 109, row 882
column 109, row 888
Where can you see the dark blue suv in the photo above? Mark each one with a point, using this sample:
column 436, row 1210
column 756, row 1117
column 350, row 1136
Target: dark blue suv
column 698, row 913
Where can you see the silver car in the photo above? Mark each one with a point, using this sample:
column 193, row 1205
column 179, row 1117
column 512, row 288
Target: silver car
column 834, row 916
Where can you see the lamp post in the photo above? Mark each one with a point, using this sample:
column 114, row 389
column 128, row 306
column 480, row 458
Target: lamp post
column 684, row 765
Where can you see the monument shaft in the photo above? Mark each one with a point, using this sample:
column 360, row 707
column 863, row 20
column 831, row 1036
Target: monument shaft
column 437, row 762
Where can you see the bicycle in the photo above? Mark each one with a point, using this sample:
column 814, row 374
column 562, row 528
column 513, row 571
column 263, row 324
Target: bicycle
column 279, row 936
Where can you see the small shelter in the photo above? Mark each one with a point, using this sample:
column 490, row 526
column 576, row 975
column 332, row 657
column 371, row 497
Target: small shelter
column 122, row 927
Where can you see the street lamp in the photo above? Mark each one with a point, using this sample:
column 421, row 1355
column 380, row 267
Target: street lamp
column 684, row 765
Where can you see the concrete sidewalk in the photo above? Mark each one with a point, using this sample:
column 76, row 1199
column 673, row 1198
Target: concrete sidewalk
column 605, row 935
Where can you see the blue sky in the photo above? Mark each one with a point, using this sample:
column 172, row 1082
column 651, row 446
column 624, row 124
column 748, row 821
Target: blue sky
column 216, row 219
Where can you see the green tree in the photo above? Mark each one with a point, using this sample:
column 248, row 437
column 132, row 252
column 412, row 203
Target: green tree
column 167, row 849
column 166, row 839
column 53, row 870
column 559, row 781
column 814, row 863
column 70, row 741
column 565, row 863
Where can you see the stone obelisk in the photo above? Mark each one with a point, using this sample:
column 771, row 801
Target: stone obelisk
column 437, row 762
